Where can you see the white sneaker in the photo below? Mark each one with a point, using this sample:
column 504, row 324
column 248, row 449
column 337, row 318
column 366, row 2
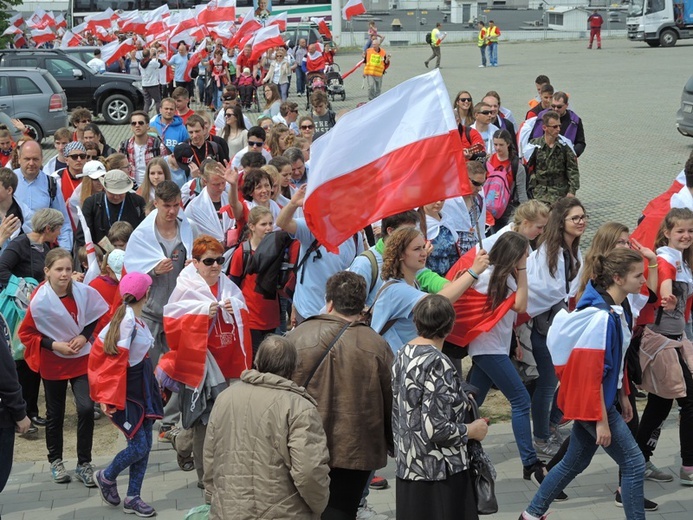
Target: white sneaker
column 482, row 66
column 368, row 513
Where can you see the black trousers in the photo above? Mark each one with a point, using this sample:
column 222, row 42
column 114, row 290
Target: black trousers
column 449, row 499
column 257, row 336
column 31, row 385
column 56, row 393
column 346, row 488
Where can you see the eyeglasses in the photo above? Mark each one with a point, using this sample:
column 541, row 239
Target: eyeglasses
column 477, row 184
column 557, row 106
column 209, row 262
column 552, row 126
column 579, row 218
column 465, row 99
column 229, row 114
column 257, row 144
column 137, row 123
column 307, row 127
column 78, row 156
column 623, row 243
column 486, row 112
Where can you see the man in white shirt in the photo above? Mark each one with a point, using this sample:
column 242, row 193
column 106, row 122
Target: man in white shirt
column 149, row 70
column 96, row 63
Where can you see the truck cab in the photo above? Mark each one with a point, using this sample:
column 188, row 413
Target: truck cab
column 660, row 22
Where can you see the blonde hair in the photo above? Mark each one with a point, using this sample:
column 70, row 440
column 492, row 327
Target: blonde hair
column 531, row 211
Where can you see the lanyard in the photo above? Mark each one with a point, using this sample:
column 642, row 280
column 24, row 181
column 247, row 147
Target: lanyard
column 192, row 147
column 108, row 211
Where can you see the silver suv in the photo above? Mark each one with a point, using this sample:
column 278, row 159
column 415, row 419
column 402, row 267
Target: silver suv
column 34, row 97
column 684, row 116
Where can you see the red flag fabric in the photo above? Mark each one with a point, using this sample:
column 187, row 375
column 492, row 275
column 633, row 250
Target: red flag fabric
column 60, row 21
column 376, row 161
column 12, row 30
column 472, row 317
column 280, row 20
column 70, row 40
column 104, row 20
column 42, row 35
column 132, row 22
column 264, row 40
column 17, row 20
column 195, row 59
column 112, row 52
column 323, row 28
column 217, row 11
column 352, row 8
column 248, row 26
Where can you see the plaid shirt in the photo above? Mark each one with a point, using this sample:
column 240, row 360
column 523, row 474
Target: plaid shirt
column 155, row 148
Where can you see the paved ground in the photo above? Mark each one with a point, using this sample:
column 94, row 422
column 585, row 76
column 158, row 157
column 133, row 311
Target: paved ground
column 628, row 95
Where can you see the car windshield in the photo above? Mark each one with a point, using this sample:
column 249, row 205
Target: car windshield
column 636, row 7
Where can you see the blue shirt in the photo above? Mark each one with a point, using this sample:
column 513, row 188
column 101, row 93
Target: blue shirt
column 34, row 194
column 180, row 63
column 396, row 302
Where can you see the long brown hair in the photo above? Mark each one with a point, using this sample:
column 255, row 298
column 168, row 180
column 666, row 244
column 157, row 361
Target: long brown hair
column 553, row 236
column 604, row 241
column 395, row 246
column 110, row 342
column 53, row 256
column 674, row 217
column 504, row 255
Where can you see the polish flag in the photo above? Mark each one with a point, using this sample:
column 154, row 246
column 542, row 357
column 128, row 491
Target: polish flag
column 94, row 269
column 112, row 52
column 159, row 14
column 38, row 19
column 183, row 27
column 217, row 11
column 248, row 26
column 132, row 22
column 42, row 35
column 353, row 8
column 70, row 39
column 104, row 34
column 49, row 19
column 224, row 30
column 322, row 27
column 400, row 151
column 265, row 39
column 17, row 20
column 195, row 59
column 19, row 40
column 104, row 19
column 12, row 30
column 279, row 20
column 60, row 21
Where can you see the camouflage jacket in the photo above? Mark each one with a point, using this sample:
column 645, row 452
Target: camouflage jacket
column 556, row 171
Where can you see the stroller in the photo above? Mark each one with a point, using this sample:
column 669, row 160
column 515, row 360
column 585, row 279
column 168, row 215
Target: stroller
column 335, row 82
column 315, row 81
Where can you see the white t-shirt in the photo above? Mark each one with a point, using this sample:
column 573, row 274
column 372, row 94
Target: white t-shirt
column 97, row 65
column 140, row 164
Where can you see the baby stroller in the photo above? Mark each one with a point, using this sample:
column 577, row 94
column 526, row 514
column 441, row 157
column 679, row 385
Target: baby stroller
column 335, row 82
column 314, row 81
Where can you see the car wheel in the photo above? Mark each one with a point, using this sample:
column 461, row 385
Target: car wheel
column 652, row 43
column 343, row 96
column 35, row 127
column 668, row 38
column 116, row 109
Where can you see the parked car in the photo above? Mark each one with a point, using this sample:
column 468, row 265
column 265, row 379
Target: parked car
column 114, row 96
column 308, row 31
column 684, row 116
column 34, row 97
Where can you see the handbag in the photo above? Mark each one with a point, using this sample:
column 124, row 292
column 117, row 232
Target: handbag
column 482, row 472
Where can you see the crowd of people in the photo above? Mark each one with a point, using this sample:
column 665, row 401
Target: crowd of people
column 172, row 279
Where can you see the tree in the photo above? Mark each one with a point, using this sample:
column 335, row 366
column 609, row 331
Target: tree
column 5, row 15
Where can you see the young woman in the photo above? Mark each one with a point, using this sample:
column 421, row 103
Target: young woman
column 282, row 138
column 505, row 161
column 218, row 72
column 264, row 313
column 674, row 260
column 272, row 100
column 279, row 73
column 122, row 379
column 61, row 318
column 442, row 236
column 256, row 191
column 433, row 480
column 234, row 131
column 590, row 382
column 463, row 107
column 283, row 187
column 307, row 127
column 93, row 134
column 554, row 272
column 404, row 255
column 157, row 171
column 117, row 161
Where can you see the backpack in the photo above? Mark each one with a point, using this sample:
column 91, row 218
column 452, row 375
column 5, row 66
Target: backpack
column 429, row 40
column 374, row 268
column 499, row 188
column 52, row 188
column 156, row 148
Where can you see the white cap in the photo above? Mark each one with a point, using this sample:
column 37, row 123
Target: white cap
column 93, row 169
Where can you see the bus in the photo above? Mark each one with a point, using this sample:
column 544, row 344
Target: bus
column 297, row 10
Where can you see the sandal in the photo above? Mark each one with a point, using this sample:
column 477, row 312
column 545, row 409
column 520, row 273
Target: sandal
column 184, row 463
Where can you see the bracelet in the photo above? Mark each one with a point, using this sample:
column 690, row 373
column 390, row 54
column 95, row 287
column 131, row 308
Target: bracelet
column 521, row 268
column 653, row 266
column 473, row 274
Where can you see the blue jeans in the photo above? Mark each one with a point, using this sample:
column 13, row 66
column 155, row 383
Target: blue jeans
column 201, row 87
column 483, row 54
column 545, row 386
column 300, row 80
column 136, row 457
column 284, row 91
column 498, row 369
column 493, row 54
column 623, row 449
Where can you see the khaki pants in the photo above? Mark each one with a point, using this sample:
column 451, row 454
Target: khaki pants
column 192, row 441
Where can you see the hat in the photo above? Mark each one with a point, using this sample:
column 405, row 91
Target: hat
column 246, row 70
column 135, row 284
column 117, row 182
column 183, row 154
column 94, row 169
column 74, row 145
column 115, row 262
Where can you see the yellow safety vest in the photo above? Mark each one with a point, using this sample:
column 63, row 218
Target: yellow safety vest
column 493, row 34
column 482, row 37
column 375, row 62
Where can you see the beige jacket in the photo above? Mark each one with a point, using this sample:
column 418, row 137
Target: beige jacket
column 265, row 452
column 662, row 373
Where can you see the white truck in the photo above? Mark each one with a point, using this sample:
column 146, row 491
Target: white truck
column 660, row 22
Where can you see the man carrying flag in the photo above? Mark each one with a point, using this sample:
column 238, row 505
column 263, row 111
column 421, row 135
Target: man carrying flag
column 437, row 37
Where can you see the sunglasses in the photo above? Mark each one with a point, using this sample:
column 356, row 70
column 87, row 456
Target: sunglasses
column 227, row 98
column 477, row 184
column 137, row 123
column 209, row 262
column 486, row 112
column 77, row 156
column 307, row 127
column 465, row 99
column 557, row 106
column 229, row 114
column 92, row 155
column 257, row 144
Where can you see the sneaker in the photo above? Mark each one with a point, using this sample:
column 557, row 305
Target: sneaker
column 685, row 478
column 562, row 497
column 30, row 431
column 138, row 507
column 640, row 395
column 379, row 483
column 649, row 504
column 482, row 66
column 167, row 433
column 60, row 476
column 97, row 413
column 85, row 474
column 109, row 490
column 525, row 516
column 546, row 449
column 366, row 512
column 655, row 474
column 536, row 472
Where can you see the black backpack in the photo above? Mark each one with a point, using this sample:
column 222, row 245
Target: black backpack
column 428, row 38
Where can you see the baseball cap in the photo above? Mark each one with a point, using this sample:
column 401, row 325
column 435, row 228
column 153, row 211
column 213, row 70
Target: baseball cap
column 117, row 182
column 93, row 169
column 135, row 284
column 183, row 154
column 115, row 262
column 246, row 70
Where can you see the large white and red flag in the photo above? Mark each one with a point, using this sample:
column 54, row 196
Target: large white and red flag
column 38, row 20
column 42, row 35
column 265, row 39
column 400, row 151
column 70, row 39
column 112, row 52
column 12, row 30
column 323, row 28
column 217, row 11
column 158, row 14
column 132, row 21
column 248, row 26
column 352, row 8
column 280, row 20
column 104, row 20
column 195, row 59
column 60, row 21
column 17, row 20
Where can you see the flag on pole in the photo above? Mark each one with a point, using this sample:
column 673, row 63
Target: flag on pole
column 42, row 35
column 400, row 151
column 353, row 8
column 217, row 11
column 278, row 19
column 70, row 39
column 94, row 269
column 322, row 27
column 17, row 20
column 264, row 40
column 112, row 52
column 248, row 26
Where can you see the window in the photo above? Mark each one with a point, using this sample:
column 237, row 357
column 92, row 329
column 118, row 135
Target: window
column 59, row 68
column 4, row 86
column 655, row 6
column 25, row 87
column 25, row 62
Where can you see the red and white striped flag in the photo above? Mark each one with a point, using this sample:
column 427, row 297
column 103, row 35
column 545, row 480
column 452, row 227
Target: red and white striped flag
column 400, row 151
column 19, row 40
column 17, row 20
column 323, row 28
column 352, row 8
column 265, row 39
column 217, row 11
column 60, row 21
column 248, row 26
column 105, row 35
column 104, row 19
column 37, row 20
column 195, row 59
column 12, row 30
column 112, row 52
column 132, row 21
column 158, row 14
column 279, row 20
column 42, row 35
column 70, row 39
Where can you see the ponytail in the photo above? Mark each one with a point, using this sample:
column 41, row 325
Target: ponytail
column 110, row 342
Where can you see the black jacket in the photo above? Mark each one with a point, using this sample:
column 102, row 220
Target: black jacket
column 23, row 260
column 12, row 405
column 96, row 216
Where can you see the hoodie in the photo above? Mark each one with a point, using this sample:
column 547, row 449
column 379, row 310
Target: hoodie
column 171, row 134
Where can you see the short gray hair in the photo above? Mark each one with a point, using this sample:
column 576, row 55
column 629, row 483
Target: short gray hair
column 46, row 218
column 294, row 154
column 276, row 355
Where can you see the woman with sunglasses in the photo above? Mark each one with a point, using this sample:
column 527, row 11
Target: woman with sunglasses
column 206, row 324
column 234, row 132
column 463, row 107
column 553, row 271
column 307, row 128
